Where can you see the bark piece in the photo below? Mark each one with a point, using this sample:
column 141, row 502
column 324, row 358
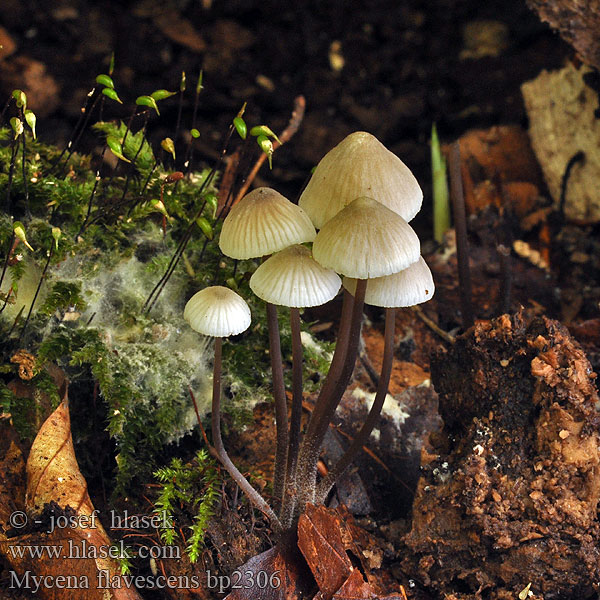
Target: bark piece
column 499, row 167
column 7, row 44
column 31, row 76
column 562, row 111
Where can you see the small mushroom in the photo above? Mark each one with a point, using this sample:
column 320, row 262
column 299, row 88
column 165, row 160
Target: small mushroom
column 293, row 278
column 408, row 287
column 219, row 312
column 360, row 165
column 411, row 286
column 264, row 222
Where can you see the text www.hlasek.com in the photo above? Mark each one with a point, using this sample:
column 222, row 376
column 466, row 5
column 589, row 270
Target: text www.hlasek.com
column 83, row 549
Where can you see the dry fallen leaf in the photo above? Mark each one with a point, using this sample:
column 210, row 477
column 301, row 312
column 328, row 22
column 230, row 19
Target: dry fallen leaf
column 282, row 566
column 180, row 30
column 66, row 555
column 320, row 541
column 328, row 538
column 52, row 470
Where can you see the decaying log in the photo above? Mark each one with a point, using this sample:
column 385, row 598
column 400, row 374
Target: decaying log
column 511, row 496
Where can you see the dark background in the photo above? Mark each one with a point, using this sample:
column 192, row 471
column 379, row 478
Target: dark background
column 404, row 69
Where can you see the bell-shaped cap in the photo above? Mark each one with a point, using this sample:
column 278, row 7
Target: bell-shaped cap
column 294, row 278
column 411, row 286
column 264, row 222
column 217, row 311
column 365, row 240
column 360, row 165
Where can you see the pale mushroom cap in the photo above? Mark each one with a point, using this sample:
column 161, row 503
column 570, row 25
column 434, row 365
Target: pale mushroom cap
column 360, row 165
column 294, row 278
column 365, row 240
column 406, row 288
column 264, row 222
column 217, row 311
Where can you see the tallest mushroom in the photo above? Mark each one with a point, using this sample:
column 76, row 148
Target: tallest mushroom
column 360, row 165
column 365, row 240
column 359, row 179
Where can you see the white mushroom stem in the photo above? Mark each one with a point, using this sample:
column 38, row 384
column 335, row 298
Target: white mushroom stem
column 222, row 455
column 335, row 384
column 382, row 390
column 281, row 412
column 290, row 493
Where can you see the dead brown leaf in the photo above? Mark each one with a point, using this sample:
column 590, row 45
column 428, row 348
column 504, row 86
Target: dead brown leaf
column 52, row 470
column 320, row 541
column 328, row 539
column 282, row 565
column 180, row 30
column 68, row 554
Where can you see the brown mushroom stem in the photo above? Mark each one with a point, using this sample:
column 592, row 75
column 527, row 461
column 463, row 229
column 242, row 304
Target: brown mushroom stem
column 337, row 362
column 330, row 395
column 289, row 499
column 335, row 369
column 222, row 455
column 281, row 412
column 382, row 390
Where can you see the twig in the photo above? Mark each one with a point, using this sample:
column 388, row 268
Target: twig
column 13, row 157
column 37, row 291
column 433, row 326
column 462, row 243
column 12, row 244
column 91, row 200
column 578, row 157
column 85, row 113
column 24, row 166
column 193, row 397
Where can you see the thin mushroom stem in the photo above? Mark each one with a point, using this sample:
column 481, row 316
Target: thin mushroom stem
column 307, row 452
column 280, row 402
column 330, row 397
column 244, row 484
column 382, row 389
column 289, row 498
column 337, row 363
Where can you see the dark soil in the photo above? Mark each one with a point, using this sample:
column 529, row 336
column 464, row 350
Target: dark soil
column 405, row 67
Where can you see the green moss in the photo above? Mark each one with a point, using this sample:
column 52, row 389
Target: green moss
column 188, row 494
column 135, row 148
column 89, row 316
column 64, row 295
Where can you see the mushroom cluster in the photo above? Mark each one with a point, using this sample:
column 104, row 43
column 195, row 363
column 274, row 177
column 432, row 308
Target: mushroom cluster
column 360, row 198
